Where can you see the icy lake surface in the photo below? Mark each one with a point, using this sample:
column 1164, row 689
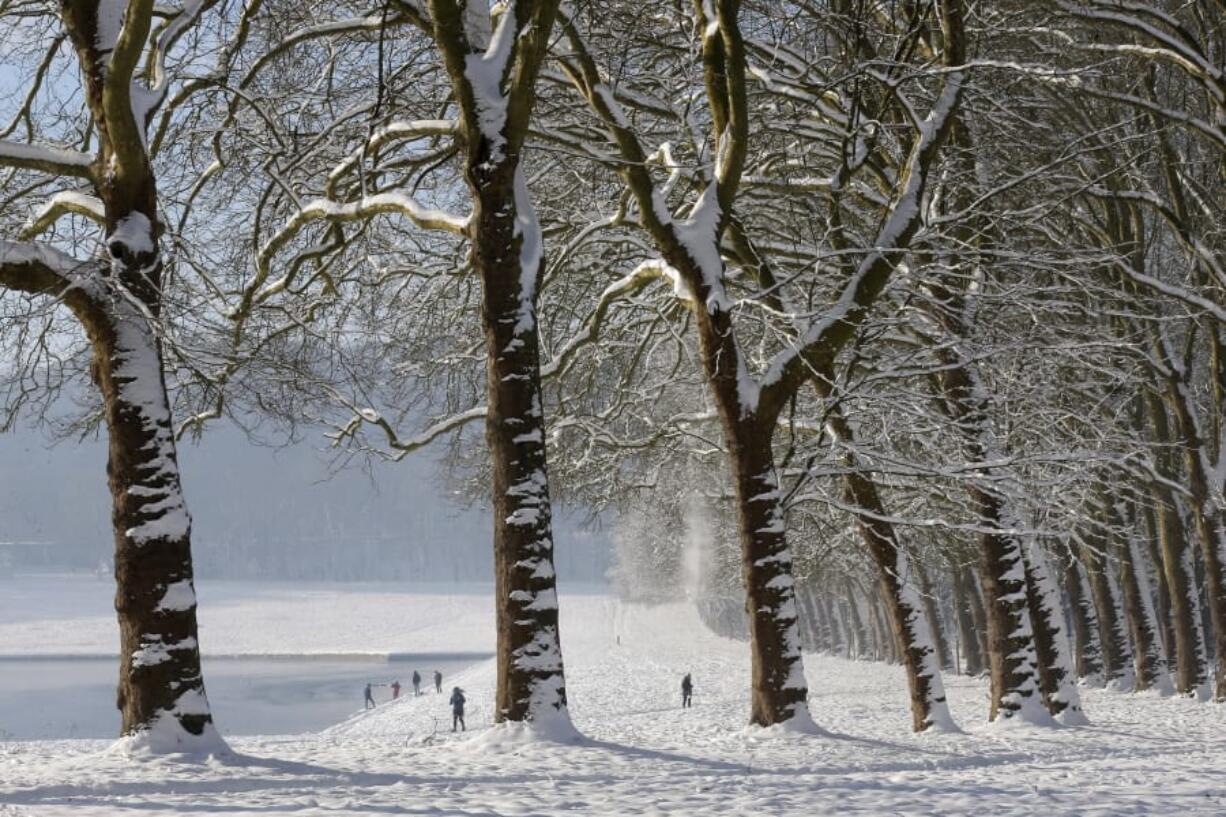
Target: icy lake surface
column 75, row 698
column 279, row 657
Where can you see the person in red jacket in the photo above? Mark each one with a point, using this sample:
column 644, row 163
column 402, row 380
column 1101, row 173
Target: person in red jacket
column 395, row 690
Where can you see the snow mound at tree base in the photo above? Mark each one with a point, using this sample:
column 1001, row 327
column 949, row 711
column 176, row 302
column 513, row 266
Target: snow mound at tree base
column 801, row 723
column 554, row 728
column 167, row 737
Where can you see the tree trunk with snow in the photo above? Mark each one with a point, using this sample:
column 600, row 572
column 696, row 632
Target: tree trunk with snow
column 1116, row 652
column 1055, row 667
column 933, row 611
column 161, row 689
column 1011, row 650
column 118, row 303
column 968, row 633
column 161, row 694
column 898, row 579
column 493, row 68
column 1138, row 605
column 779, row 690
column 979, row 614
column 1013, row 664
column 1206, row 513
column 1148, row 560
column 1087, row 658
column 1178, row 574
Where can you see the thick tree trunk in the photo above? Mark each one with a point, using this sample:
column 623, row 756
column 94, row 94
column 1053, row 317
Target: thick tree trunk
column 506, row 254
column 161, row 690
column 1055, row 668
column 1011, row 650
column 1013, row 664
column 900, row 599
column 779, row 691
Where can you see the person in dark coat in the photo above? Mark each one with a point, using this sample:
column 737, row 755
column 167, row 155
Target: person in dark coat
column 395, row 690
column 687, row 689
column 370, row 699
column 416, row 682
column 457, row 709
column 438, row 681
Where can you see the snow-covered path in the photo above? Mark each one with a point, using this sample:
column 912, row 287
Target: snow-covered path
column 644, row 755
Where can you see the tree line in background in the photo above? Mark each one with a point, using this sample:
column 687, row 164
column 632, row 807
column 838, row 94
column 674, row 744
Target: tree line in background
column 917, row 304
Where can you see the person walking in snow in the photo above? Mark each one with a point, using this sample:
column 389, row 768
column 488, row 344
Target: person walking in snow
column 687, row 689
column 457, row 709
column 438, row 681
column 416, row 682
column 370, row 699
column 395, row 689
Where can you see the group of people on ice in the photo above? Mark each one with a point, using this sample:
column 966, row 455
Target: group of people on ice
column 395, row 687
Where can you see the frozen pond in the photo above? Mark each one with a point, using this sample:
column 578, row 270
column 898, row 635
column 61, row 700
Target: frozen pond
column 52, row 697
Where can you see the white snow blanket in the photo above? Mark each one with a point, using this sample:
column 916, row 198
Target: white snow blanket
column 642, row 753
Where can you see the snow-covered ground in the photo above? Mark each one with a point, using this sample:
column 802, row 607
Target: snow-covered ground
column 642, row 753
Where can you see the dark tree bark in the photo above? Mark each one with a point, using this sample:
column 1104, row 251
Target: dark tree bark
column 968, row 635
column 507, row 254
column 1162, row 597
column 979, row 615
column 1113, row 640
column 1147, row 656
column 1087, row 659
column 1207, row 520
column 1055, row 668
column 1176, row 563
column 161, row 693
column 779, row 690
column 933, row 611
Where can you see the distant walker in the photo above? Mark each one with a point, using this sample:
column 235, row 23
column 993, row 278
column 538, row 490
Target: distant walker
column 457, row 709
column 438, row 681
column 687, row 689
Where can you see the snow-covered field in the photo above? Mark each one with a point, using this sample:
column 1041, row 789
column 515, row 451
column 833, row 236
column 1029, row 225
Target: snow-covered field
column 642, row 754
